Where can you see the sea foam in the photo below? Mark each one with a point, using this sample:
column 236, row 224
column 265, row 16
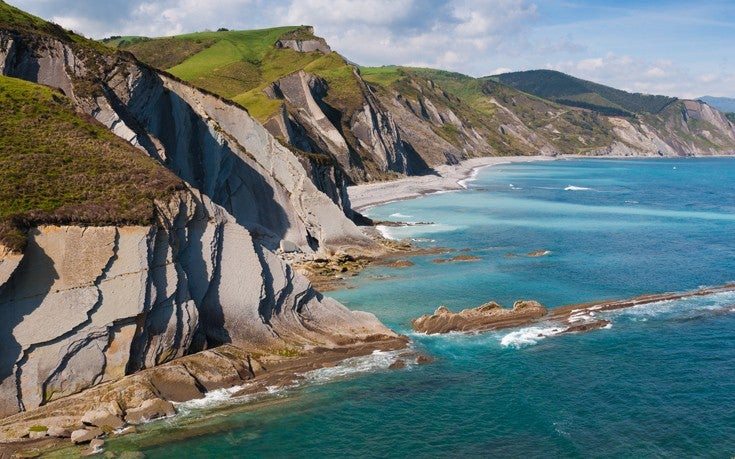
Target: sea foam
column 528, row 336
column 577, row 188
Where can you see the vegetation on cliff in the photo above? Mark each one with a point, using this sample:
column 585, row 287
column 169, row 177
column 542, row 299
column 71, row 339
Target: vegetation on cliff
column 239, row 65
column 568, row 90
column 59, row 166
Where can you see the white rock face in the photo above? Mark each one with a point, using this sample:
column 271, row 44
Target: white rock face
column 84, row 306
column 88, row 305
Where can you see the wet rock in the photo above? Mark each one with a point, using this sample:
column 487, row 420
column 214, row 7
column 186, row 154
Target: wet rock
column 400, row 264
column 95, row 447
column 149, row 410
column 423, row 359
column 538, row 253
column 489, row 316
column 398, row 364
column 103, row 419
column 85, row 435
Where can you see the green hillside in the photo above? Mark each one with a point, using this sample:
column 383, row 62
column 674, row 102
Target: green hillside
column 568, row 90
column 478, row 100
column 238, row 65
column 19, row 21
column 57, row 166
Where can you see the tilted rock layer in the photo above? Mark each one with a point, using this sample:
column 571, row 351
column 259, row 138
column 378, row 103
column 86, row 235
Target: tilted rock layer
column 87, row 305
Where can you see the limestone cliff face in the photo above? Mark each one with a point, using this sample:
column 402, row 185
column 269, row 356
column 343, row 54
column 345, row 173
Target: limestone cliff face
column 84, row 306
column 364, row 140
column 212, row 144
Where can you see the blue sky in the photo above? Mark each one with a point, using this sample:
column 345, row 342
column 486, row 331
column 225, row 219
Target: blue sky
column 664, row 47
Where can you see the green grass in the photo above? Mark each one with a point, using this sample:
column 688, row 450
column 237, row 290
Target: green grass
column 60, row 167
column 239, row 65
column 124, row 41
column 16, row 20
column 573, row 91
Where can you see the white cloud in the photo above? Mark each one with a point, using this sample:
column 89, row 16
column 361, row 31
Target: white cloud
column 639, row 75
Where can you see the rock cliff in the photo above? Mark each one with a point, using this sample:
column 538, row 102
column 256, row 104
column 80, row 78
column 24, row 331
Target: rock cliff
column 89, row 305
column 83, row 305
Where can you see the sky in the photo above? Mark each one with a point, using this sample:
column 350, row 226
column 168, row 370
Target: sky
column 671, row 47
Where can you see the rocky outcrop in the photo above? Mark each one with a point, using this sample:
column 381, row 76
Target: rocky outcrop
column 304, row 41
column 212, row 144
column 90, row 305
column 574, row 318
column 489, row 316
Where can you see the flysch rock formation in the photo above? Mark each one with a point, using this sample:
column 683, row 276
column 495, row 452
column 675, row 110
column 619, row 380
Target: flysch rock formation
column 212, row 144
column 84, row 306
column 574, row 318
column 90, row 305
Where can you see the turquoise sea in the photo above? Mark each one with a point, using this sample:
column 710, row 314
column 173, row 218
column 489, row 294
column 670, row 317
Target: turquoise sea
column 659, row 383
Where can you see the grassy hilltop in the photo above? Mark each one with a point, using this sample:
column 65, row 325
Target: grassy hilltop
column 58, row 166
column 238, row 65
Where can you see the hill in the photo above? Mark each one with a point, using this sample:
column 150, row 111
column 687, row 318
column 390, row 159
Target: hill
column 568, row 90
column 61, row 167
column 724, row 104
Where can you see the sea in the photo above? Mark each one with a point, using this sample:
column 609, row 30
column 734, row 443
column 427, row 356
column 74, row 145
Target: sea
column 658, row 382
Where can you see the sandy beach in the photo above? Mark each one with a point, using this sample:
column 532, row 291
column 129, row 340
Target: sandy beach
column 447, row 177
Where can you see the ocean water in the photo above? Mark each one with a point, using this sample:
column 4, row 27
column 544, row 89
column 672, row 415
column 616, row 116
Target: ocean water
column 660, row 382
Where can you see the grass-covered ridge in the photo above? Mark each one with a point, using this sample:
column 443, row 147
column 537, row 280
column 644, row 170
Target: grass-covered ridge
column 238, row 65
column 60, row 167
column 568, row 90
column 15, row 20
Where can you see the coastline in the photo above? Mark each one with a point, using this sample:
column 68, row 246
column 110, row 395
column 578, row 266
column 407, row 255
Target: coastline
column 447, row 178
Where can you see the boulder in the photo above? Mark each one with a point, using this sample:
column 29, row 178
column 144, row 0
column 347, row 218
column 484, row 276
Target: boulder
column 288, row 246
column 103, row 419
column 58, row 432
column 149, row 410
column 489, row 316
column 85, row 435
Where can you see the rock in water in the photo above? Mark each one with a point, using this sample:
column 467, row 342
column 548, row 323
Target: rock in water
column 489, row 316
column 149, row 410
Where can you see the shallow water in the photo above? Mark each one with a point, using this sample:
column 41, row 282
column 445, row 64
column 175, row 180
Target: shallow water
column 659, row 382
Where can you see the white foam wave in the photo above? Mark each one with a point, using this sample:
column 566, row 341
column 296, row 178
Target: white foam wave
column 400, row 215
column 528, row 336
column 211, row 398
column 385, row 231
column 378, row 360
column 577, row 188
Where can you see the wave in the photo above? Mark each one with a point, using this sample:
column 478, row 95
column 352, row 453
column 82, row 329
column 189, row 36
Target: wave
column 400, row 215
column 378, row 360
column 528, row 336
column 577, row 188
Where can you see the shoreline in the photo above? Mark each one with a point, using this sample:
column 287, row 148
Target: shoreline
column 447, row 178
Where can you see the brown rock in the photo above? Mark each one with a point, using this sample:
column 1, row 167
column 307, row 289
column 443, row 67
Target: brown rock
column 400, row 264
column 103, row 419
column 59, row 432
column 85, row 435
column 538, row 253
column 398, row 364
column 464, row 258
column 175, row 383
column 486, row 317
column 95, row 446
column 35, row 434
column 149, row 410
column 423, row 359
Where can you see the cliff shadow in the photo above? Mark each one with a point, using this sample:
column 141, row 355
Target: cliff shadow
column 20, row 296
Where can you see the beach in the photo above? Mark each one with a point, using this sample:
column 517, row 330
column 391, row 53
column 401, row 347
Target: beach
column 446, row 178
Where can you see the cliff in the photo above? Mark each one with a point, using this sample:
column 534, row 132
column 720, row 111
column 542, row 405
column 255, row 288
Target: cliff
column 89, row 299
column 387, row 122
